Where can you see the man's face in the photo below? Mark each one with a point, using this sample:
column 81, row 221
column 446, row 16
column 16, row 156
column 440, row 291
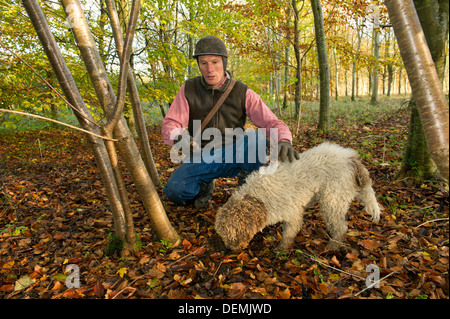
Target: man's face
column 212, row 70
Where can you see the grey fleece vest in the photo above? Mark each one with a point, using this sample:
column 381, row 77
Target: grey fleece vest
column 201, row 99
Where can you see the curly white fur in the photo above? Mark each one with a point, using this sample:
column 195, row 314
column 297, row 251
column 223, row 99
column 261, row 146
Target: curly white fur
column 328, row 174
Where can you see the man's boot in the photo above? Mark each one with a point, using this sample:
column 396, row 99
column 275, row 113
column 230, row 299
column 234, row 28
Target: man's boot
column 205, row 194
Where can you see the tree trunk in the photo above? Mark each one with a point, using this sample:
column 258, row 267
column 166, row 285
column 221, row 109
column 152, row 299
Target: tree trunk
column 107, row 98
column 346, row 82
column 375, row 71
column 336, row 74
column 324, row 113
column 102, row 33
column 123, row 11
column 390, row 65
column 191, row 71
column 126, row 145
column 286, row 76
column 274, row 61
column 135, row 100
column 417, row 165
column 83, row 115
column 286, row 59
column 354, row 73
column 425, row 83
column 434, row 17
column 298, row 87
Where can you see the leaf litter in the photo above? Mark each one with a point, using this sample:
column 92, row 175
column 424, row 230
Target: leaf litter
column 54, row 212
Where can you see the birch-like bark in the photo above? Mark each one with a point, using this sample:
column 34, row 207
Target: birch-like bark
column 298, row 74
column 358, row 48
column 124, row 68
column 72, row 94
column 375, row 71
column 425, row 83
column 134, row 98
column 126, row 146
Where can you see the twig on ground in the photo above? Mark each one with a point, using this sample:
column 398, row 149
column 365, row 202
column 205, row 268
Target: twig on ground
column 331, row 267
column 431, row 221
column 192, row 253
column 374, row 283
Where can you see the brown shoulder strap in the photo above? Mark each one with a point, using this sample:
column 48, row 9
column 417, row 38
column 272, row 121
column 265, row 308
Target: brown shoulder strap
column 215, row 108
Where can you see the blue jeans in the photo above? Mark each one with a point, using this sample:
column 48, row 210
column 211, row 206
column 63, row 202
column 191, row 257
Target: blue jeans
column 248, row 153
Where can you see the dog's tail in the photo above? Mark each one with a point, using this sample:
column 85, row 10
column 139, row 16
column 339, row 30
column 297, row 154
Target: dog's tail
column 366, row 193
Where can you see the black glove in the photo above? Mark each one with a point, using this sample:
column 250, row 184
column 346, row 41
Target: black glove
column 286, row 150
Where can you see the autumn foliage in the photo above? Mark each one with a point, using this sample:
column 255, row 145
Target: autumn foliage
column 54, row 212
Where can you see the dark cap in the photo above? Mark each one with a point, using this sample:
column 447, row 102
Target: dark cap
column 210, row 45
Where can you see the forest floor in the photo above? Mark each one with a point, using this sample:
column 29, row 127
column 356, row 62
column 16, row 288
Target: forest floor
column 54, row 212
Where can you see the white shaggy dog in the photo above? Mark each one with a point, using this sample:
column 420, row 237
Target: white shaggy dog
column 328, row 174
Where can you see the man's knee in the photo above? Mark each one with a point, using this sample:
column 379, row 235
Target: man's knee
column 174, row 191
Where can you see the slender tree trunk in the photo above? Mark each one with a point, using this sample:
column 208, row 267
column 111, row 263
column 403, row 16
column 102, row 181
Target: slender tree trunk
column 275, row 92
column 286, row 76
column 113, row 107
column 346, row 82
column 357, row 86
column 190, row 54
column 83, row 115
column 336, row 74
column 286, row 58
column 390, row 65
column 297, row 59
column 299, row 111
column 424, row 79
column 375, row 70
column 123, row 12
column 324, row 113
column 135, row 100
column 126, row 145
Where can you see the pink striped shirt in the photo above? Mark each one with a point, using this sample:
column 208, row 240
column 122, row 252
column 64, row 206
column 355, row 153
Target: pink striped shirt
column 177, row 118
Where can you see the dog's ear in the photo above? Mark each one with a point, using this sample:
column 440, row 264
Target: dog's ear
column 222, row 226
column 230, row 224
column 361, row 174
column 257, row 211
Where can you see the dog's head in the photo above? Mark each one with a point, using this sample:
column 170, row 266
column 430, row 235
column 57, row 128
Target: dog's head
column 239, row 220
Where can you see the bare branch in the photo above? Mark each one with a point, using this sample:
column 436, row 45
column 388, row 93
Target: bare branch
column 124, row 66
column 58, row 122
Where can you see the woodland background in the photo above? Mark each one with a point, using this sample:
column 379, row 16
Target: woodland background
column 259, row 36
column 53, row 206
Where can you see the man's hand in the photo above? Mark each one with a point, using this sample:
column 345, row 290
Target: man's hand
column 187, row 144
column 286, row 150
